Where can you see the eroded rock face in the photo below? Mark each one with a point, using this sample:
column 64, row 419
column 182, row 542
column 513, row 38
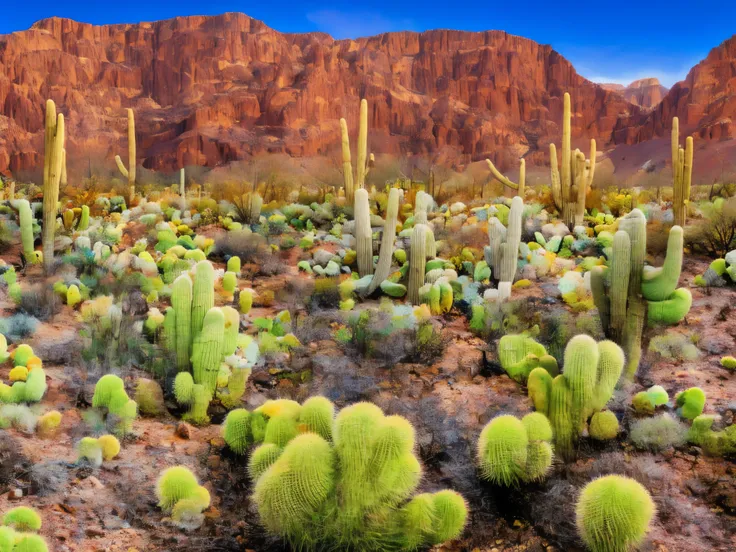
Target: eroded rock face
column 209, row 90
column 705, row 103
column 646, row 93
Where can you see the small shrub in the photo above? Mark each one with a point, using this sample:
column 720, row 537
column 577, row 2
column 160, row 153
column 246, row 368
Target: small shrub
column 658, row 433
column 674, row 346
column 39, row 302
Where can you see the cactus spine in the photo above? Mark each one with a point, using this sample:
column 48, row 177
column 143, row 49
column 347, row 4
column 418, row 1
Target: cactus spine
column 417, row 261
column 503, row 252
column 129, row 173
column 507, row 181
column 387, row 241
column 571, row 181
column 52, row 169
column 363, row 233
column 682, row 173
column 355, row 181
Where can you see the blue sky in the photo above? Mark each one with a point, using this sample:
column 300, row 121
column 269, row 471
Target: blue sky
column 606, row 41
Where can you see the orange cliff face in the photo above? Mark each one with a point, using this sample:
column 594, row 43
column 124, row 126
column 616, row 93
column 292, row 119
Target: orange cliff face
column 209, row 90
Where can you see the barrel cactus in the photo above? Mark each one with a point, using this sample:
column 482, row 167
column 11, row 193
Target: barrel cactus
column 179, row 492
column 22, row 518
column 614, row 513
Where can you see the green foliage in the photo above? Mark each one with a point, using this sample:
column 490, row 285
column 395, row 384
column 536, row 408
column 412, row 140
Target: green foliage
column 690, row 403
column 728, row 362
column 520, row 354
column 351, row 492
column 613, row 514
column 30, row 543
column 22, row 518
column 674, row 346
column 105, row 389
column 178, row 484
column 511, row 450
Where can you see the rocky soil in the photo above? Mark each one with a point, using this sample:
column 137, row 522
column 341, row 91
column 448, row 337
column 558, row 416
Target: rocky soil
column 114, row 509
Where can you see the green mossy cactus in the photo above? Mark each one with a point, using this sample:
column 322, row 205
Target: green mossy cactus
column 590, row 373
column 690, row 403
column 22, row 354
column 511, row 450
column 22, row 518
column 184, row 388
column 30, row 543
column 198, row 410
column 671, row 310
column 728, row 362
column 175, row 484
column 89, row 450
column 7, row 539
column 241, row 429
column 614, row 513
column 603, row 426
column 520, row 354
column 106, row 388
column 207, row 349
column 350, row 493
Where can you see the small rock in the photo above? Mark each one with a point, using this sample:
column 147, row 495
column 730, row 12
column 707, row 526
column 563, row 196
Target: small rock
column 184, row 430
column 94, row 531
column 96, row 483
column 15, row 494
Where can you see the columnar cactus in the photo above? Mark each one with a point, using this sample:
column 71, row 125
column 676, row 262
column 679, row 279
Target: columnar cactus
column 363, row 233
column 417, row 261
column 590, row 373
column 181, row 302
column 129, row 173
column 207, row 349
column 614, row 513
column 387, row 241
column 53, row 159
column 422, row 203
column 511, row 450
column 507, row 181
column 346, row 483
column 25, row 218
column 502, row 254
column 571, row 181
column 355, row 181
column 520, row 354
column 203, row 294
column 623, row 290
column 682, row 173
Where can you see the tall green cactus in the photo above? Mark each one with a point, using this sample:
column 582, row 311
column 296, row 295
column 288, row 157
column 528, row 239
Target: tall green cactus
column 590, row 373
column 25, row 218
column 572, row 180
column 682, row 173
column 417, row 261
column 507, row 181
column 502, row 255
column 623, row 290
column 363, row 233
column 181, row 302
column 52, row 165
column 203, row 294
column 207, row 349
column 387, row 241
column 356, row 181
column 129, row 173
column 346, row 484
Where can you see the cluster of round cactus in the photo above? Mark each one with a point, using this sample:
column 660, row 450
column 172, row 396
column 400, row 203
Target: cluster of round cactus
column 179, row 493
column 18, row 531
column 27, row 377
column 94, row 451
column 110, row 396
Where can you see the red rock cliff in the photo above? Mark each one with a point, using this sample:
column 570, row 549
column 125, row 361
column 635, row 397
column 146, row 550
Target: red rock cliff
column 208, row 90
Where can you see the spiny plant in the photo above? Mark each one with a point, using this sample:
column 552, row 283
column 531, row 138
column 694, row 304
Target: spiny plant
column 22, row 518
column 511, row 451
column 242, row 428
column 129, row 173
column 179, row 492
column 589, row 376
column 520, row 354
column 355, row 181
column 682, row 173
column 614, row 513
column 502, row 254
column 626, row 294
column 110, row 396
column 690, row 403
column 89, row 450
column 519, row 187
column 29, row 543
column 603, row 426
column 348, row 486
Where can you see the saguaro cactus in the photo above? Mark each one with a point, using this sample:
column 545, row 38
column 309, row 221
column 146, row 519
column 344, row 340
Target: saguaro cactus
column 570, row 182
column 417, row 261
column 387, row 241
column 203, row 294
column 181, row 302
column 182, row 189
column 129, row 173
column 52, row 169
column 503, row 252
column 363, row 233
column 682, row 173
column 507, row 181
column 356, row 181
column 207, row 349
column 25, row 218
column 623, row 290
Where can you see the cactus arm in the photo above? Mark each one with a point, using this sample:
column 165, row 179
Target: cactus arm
column 620, row 275
column 671, row 310
column 207, row 350
column 181, row 302
column 362, row 145
column 121, row 166
column 659, row 283
column 687, row 176
column 387, row 241
column 131, row 155
column 503, row 179
column 417, row 262
column 347, row 164
column 634, row 224
column 363, row 233
column 591, row 171
column 565, row 176
column 555, row 177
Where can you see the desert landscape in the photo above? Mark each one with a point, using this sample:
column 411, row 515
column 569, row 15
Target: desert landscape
column 265, row 291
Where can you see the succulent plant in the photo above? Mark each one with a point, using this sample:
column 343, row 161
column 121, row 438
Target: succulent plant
column 22, row 518
column 614, row 513
column 89, row 450
column 690, row 403
column 110, row 446
column 603, row 426
column 176, row 484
